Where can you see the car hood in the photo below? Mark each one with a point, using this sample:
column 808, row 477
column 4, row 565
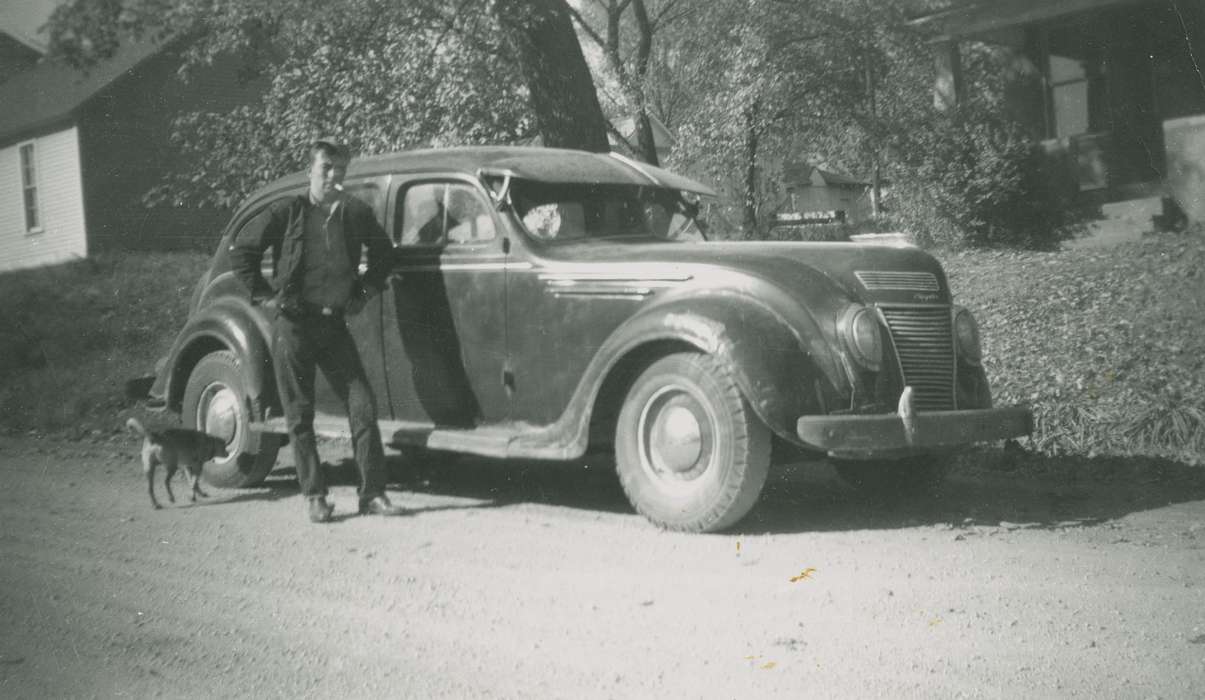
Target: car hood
column 869, row 273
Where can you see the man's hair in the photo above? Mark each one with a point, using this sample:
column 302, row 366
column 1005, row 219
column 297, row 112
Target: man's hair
column 332, row 148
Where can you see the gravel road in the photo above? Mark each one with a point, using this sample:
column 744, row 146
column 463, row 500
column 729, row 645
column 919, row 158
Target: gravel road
column 535, row 580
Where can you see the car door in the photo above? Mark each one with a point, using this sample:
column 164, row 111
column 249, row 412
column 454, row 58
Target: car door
column 445, row 311
column 365, row 327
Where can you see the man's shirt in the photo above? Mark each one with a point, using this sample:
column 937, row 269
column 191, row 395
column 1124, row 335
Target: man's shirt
column 329, row 277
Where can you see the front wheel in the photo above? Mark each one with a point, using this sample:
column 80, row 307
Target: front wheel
column 215, row 402
column 908, row 477
column 690, row 453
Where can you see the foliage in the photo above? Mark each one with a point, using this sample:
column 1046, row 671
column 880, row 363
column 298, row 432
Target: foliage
column 1104, row 344
column 825, row 81
column 412, row 87
column 382, row 75
column 969, row 177
column 629, row 46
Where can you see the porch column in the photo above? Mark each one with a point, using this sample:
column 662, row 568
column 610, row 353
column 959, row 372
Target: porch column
column 947, row 87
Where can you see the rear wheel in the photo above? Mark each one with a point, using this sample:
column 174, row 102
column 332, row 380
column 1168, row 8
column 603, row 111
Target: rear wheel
column 215, row 402
column 690, row 453
column 908, row 477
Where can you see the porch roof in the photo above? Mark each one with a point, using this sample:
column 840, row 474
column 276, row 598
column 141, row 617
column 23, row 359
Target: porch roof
column 971, row 17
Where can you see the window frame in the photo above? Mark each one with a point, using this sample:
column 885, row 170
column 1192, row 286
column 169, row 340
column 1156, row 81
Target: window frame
column 32, row 171
column 396, row 216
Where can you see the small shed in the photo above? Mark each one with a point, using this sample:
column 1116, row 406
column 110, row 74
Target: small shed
column 817, row 196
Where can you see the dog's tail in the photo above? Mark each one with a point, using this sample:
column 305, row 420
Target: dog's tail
column 135, row 426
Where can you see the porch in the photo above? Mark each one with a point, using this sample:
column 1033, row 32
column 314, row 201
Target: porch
column 1114, row 90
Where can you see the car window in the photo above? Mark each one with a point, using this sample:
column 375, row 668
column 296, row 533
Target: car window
column 568, row 211
column 435, row 213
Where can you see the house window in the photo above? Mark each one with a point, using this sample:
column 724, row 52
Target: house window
column 29, row 188
column 1076, row 74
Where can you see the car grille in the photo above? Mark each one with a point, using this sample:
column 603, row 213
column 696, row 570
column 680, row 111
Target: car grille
column 875, row 280
column 924, row 343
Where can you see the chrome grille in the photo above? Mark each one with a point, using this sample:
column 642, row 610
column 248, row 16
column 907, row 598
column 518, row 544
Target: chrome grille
column 924, row 343
column 907, row 281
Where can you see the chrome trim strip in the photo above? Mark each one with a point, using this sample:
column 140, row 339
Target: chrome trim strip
column 600, row 294
column 462, row 267
column 650, row 278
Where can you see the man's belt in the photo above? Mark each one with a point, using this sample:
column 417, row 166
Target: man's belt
column 309, row 309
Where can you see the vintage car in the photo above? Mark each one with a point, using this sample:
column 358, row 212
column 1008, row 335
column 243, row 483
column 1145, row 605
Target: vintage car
column 547, row 302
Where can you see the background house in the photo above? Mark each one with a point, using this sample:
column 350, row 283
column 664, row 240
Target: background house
column 821, row 196
column 1113, row 88
column 79, row 149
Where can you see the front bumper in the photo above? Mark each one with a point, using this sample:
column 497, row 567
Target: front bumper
column 891, row 432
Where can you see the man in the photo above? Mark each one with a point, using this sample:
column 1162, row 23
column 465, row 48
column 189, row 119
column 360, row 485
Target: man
column 316, row 242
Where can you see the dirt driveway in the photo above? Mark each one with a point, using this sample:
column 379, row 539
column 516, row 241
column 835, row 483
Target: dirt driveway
column 533, row 581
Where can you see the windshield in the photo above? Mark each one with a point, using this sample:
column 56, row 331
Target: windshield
column 567, row 212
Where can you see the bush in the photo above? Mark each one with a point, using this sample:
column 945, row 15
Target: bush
column 970, row 178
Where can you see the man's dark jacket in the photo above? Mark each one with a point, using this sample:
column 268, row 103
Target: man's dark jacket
column 281, row 226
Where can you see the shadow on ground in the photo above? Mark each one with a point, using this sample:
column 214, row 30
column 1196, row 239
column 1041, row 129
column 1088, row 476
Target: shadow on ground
column 984, row 488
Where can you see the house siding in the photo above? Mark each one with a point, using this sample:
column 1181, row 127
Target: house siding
column 60, row 202
column 127, row 150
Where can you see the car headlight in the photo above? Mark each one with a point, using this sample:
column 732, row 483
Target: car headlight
column 966, row 332
column 859, row 329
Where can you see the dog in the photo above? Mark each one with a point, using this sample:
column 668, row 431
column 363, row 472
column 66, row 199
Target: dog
column 173, row 448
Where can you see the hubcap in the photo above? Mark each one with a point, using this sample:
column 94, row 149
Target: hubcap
column 674, row 436
column 218, row 415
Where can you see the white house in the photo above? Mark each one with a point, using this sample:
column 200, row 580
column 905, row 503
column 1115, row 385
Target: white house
column 79, row 149
column 41, row 201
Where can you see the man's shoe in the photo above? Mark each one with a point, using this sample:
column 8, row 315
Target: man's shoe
column 320, row 510
column 379, row 505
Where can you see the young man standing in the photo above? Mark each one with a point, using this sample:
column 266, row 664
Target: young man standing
column 317, row 240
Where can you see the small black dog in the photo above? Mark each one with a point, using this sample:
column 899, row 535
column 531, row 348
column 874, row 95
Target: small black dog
column 174, row 447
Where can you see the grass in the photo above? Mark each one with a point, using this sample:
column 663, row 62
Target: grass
column 71, row 335
column 1105, row 345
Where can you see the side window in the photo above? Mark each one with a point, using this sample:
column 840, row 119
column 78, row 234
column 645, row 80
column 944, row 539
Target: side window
column 435, row 213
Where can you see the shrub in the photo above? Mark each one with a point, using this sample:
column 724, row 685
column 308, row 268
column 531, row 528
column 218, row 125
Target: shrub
column 970, row 178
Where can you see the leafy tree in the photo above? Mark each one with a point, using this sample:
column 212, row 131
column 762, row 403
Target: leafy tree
column 382, row 74
column 832, row 80
column 629, row 60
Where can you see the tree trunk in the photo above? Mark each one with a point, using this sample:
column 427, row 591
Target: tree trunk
column 749, row 221
column 562, row 95
column 644, row 49
column 875, row 190
column 645, row 140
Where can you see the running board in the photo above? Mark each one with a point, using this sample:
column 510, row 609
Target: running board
column 501, row 441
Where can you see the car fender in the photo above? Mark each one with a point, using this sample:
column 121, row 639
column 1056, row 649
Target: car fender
column 232, row 323
column 779, row 357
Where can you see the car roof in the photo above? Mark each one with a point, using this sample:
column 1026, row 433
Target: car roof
column 525, row 162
